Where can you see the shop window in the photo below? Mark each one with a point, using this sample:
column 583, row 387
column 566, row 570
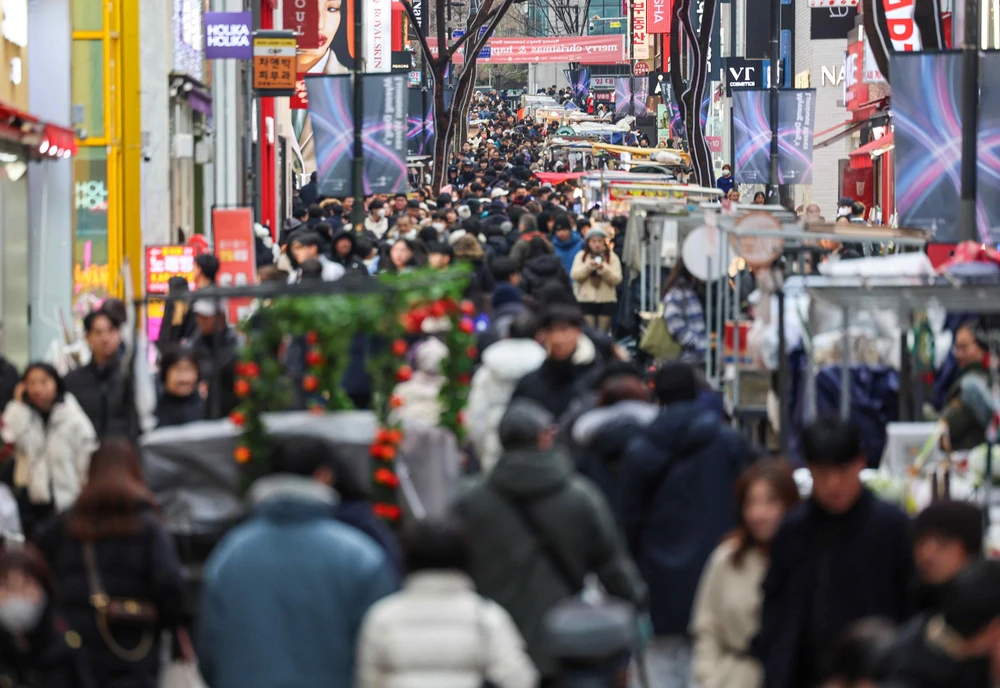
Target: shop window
column 88, row 15
column 90, row 225
column 88, row 84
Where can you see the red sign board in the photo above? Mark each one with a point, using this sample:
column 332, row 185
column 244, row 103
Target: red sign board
column 232, row 231
column 586, row 49
column 300, row 100
column 855, row 89
column 302, row 17
column 658, row 14
column 714, row 143
column 162, row 263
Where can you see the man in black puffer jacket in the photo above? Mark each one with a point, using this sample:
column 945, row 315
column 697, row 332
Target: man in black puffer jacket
column 344, row 254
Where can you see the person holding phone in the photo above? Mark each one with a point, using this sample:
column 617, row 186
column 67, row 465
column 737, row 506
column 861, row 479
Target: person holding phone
column 596, row 273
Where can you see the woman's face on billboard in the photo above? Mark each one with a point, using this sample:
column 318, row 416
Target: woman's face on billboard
column 329, row 22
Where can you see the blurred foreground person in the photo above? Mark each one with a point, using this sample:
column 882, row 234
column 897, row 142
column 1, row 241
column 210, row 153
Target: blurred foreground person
column 726, row 614
column 504, row 364
column 840, row 557
column 51, row 439
column 591, row 643
column 181, row 400
column 538, row 528
column 947, row 537
column 953, row 647
column 678, row 482
column 119, row 574
column 437, row 632
column 36, row 649
column 861, row 657
column 285, row 592
column 570, row 366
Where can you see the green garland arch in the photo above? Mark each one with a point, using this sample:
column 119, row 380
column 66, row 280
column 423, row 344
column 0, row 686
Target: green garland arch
column 393, row 315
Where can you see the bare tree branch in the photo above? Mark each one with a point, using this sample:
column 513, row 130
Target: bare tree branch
column 408, row 7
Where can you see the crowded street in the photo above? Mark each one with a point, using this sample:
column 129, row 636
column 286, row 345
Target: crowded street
column 508, row 343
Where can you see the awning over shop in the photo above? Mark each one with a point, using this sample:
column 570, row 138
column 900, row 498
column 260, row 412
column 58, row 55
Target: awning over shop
column 846, row 129
column 556, row 178
column 862, row 157
column 38, row 140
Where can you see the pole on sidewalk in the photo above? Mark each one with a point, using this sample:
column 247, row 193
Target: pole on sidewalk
column 358, row 211
column 775, row 62
column 967, row 230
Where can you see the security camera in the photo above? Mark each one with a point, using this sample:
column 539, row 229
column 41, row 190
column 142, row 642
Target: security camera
column 81, row 133
column 591, row 26
column 146, row 157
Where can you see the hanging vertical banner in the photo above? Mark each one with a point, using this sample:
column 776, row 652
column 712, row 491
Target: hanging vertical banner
column 988, row 149
column 796, row 124
column 662, row 125
column 640, row 39
column 628, row 102
column 300, row 99
column 302, row 18
column 378, row 36
column 232, row 232
column 751, row 136
column 927, row 118
column 384, row 133
column 331, row 111
column 419, row 123
column 658, row 16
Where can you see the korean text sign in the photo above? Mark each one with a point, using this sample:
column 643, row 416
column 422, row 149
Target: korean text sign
column 162, row 263
column 232, row 230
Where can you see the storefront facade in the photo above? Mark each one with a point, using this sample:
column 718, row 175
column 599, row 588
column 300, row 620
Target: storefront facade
column 106, row 175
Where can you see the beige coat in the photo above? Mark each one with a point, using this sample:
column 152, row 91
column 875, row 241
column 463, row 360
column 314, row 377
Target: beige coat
column 592, row 286
column 725, row 619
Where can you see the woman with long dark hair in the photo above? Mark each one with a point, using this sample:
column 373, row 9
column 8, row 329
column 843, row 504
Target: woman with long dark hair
column 118, row 568
column 51, row 440
column 726, row 613
column 178, row 325
column 684, row 314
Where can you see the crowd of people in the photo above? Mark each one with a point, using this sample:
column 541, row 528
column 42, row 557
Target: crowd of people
column 615, row 529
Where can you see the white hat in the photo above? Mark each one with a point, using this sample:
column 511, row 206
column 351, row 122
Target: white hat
column 498, row 192
column 206, row 307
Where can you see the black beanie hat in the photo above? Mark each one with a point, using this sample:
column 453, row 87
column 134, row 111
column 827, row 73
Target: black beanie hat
column 960, row 521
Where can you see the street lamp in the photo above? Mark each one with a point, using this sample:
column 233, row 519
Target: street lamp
column 596, row 18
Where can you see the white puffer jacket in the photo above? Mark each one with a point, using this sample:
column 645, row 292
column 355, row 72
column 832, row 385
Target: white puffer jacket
column 51, row 460
column 504, row 364
column 438, row 633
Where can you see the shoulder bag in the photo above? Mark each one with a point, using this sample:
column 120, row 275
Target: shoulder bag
column 120, row 612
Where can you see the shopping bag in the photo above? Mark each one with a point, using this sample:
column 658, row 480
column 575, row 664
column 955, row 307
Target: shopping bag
column 183, row 671
column 658, row 342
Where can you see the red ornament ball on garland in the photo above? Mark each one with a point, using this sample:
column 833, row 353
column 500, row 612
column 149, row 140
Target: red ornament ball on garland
column 464, row 378
column 438, row 309
column 461, row 417
column 467, row 326
column 312, row 338
column 468, row 308
column 389, row 512
column 238, row 418
column 404, row 374
column 384, row 476
column 450, row 305
column 317, row 409
column 314, row 359
column 242, row 454
column 400, row 347
column 253, row 370
column 395, row 402
column 242, row 389
column 394, row 436
column 310, row 383
column 471, row 352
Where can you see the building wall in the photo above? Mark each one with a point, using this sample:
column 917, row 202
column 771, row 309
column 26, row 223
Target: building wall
column 814, row 55
column 50, row 183
column 156, row 56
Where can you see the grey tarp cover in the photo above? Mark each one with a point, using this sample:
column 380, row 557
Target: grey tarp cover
column 190, row 468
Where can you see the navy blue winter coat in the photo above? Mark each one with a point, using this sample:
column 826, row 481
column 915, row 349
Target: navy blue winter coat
column 867, row 572
column 677, row 497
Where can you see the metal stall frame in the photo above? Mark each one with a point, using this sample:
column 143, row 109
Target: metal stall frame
column 906, row 296
column 797, row 242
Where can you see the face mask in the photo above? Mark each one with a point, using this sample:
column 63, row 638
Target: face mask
column 726, row 173
column 19, row 615
column 439, row 226
column 381, row 213
column 844, row 212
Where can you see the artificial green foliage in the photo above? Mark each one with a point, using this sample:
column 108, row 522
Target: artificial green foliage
column 325, row 325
